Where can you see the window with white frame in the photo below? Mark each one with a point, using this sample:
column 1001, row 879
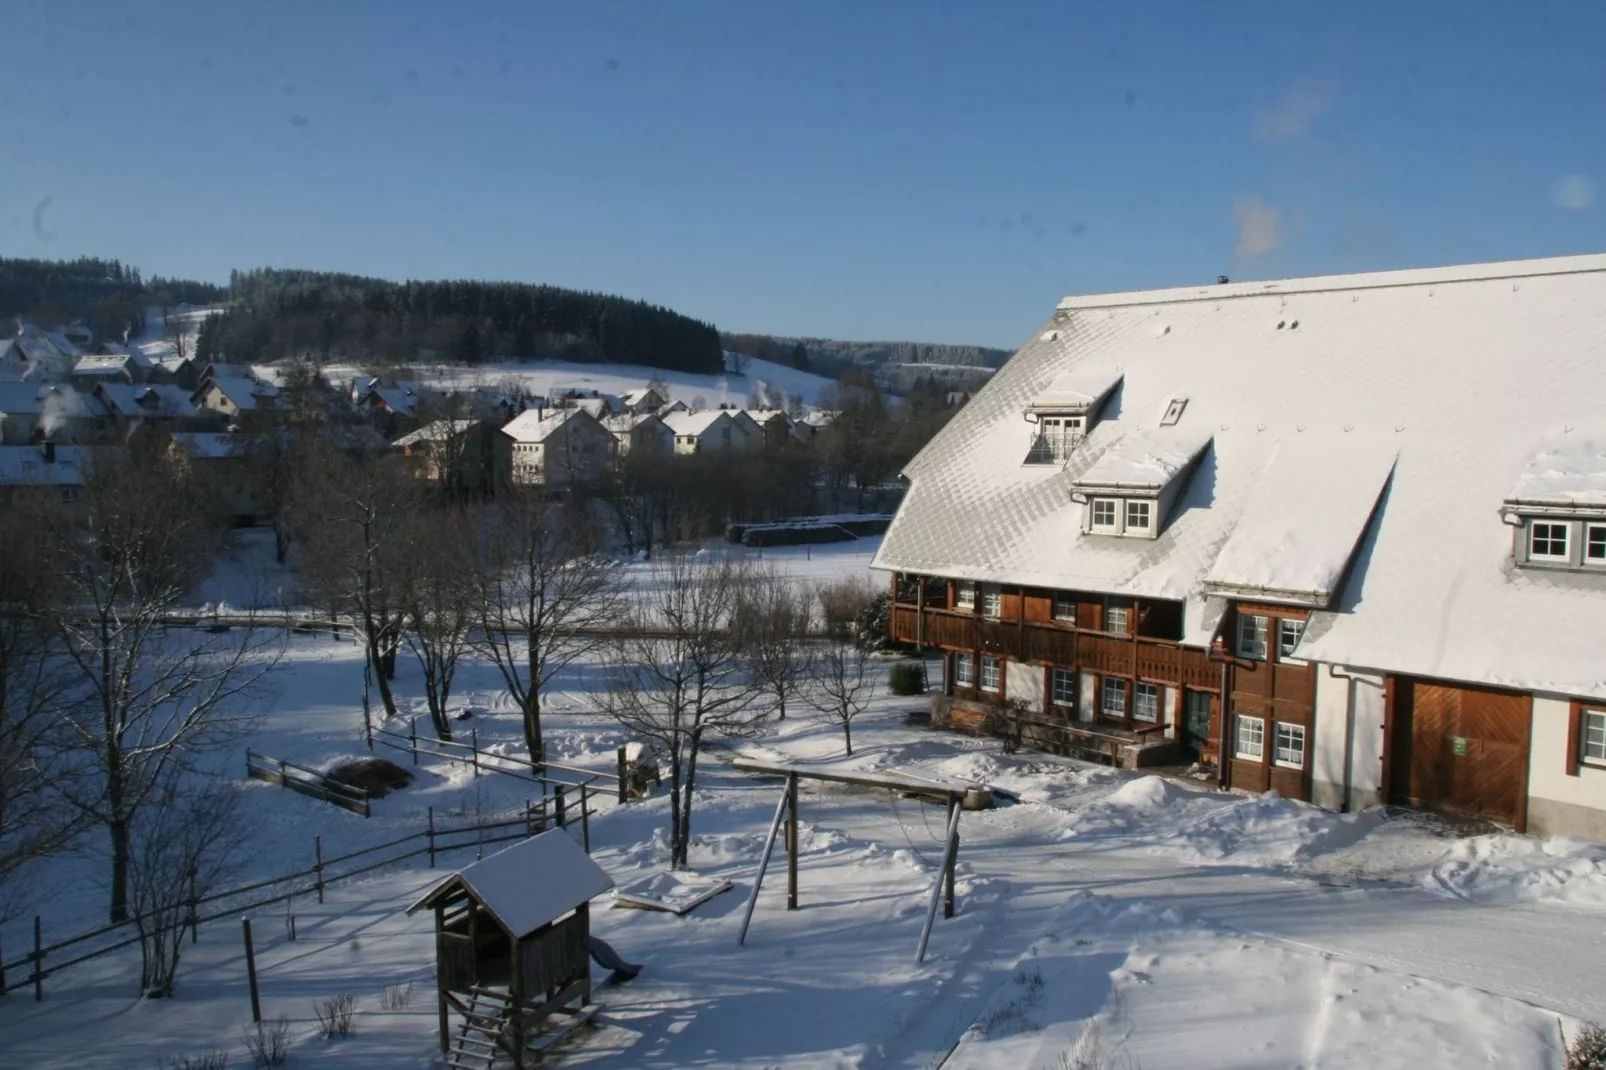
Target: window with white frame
column 1252, row 636
column 1063, row 689
column 1138, row 516
column 1249, row 741
column 1117, row 615
column 964, row 670
column 992, row 600
column 1547, row 541
column 1112, row 697
column 1145, row 702
column 1064, row 607
column 965, row 595
column 1289, row 746
column 1592, row 736
column 1288, row 633
column 991, row 674
column 1595, row 545
column 1105, row 517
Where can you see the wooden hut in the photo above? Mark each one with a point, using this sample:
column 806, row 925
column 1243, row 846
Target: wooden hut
column 512, row 947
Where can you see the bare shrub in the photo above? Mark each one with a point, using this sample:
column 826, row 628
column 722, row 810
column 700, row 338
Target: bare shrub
column 1587, row 1050
column 395, row 997
column 1102, row 1045
column 335, row 1014
column 198, row 1060
column 268, row 1043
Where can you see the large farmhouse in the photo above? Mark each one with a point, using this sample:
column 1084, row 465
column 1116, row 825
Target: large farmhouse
column 1342, row 537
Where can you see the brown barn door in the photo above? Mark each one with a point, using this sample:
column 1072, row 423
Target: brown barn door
column 1459, row 749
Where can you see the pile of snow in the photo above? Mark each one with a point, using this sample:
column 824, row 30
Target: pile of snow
column 1502, row 867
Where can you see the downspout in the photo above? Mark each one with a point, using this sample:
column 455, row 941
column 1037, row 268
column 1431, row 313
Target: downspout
column 1221, row 764
column 1349, row 731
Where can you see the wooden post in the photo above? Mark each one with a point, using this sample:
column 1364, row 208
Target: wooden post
column 557, row 799
column 585, row 821
column 440, row 986
column 251, row 971
column 38, row 960
column 192, row 904
column 624, row 794
column 431, row 837
column 515, row 991
column 317, row 845
column 474, row 750
column 953, row 860
column 791, row 841
column 412, row 738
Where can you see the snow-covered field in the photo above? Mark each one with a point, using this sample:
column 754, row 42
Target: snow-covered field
column 1158, row 922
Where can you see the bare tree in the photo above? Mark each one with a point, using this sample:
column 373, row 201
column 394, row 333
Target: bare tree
column 178, row 333
column 840, row 688
column 437, row 592
column 774, row 615
column 679, row 673
column 185, row 844
column 148, row 699
column 34, row 684
column 545, row 598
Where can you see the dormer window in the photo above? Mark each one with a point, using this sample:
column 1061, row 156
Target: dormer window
column 1558, row 507
column 1595, row 545
column 1547, row 541
column 1129, row 489
column 1063, row 413
column 1139, row 516
column 1105, row 515
column 964, row 595
column 992, row 600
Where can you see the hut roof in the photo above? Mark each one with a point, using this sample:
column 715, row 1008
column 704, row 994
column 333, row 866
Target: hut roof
column 529, row 884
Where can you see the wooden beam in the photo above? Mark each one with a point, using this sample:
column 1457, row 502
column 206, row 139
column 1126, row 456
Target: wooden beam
column 904, row 782
column 440, row 983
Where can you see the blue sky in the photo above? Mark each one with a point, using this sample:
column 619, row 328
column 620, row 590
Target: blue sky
column 924, row 170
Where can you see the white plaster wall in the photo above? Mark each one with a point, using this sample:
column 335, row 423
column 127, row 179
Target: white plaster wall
column 1090, row 697
column 1173, row 711
column 1365, row 739
column 1547, row 759
column 1366, row 769
column 1024, row 682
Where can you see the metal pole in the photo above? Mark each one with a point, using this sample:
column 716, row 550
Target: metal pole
column 251, row 971
column 953, row 860
column 763, row 864
column 585, row 821
column 317, row 845
column 474, row 749
column 791, row 841
column 936, row 885
column 413, row 738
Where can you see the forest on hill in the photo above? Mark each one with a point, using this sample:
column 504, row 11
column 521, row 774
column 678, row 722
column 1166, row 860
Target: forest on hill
column 831, row 357
column 107, row 294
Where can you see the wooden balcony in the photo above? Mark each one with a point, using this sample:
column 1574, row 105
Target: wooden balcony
column 1058, row 643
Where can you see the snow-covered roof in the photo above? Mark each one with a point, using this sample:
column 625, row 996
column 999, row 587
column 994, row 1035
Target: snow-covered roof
column 528, row 885
column 1467, row 372
column 694, row 423
column 537, row 425
column 628, row 421
column 764, row 416
column 161, row 399
column 209, row 446
column 434, row 431
column 1569, row 470
column 101, row 364
column 1076, row 390
column 19, row 398
column 396, row 398
column 1146, row 460
column 596, row 408
column 27, row 466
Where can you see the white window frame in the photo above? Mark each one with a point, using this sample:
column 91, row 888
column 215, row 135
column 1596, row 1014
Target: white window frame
column 1285, row 646
column 1106, row 691
column 1249, row 746
column 1253, row 633
column 1114, row 526
column 1147, row 508
column 1585, row 732
column 991, row 666
column 992, row 601
column 965, row 595
column 1145, row 694
column 1123, row 607
column 1591, row 531
column 1064, row 607
column 1551, row 527
column 1065, row 695
column 965, row 670
column 1285, row 754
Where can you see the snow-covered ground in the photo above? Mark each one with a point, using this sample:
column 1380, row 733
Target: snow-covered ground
column 1157, row 921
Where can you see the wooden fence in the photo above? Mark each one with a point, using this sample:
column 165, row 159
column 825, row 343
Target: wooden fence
column 484, row 761
column 45, row 960
column 308, row 782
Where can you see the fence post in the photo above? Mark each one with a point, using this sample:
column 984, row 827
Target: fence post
column 38, row 960
column 529, row 818
column 557, row 798
column 317, row 845
column 474, row 749
column 251, row 971
column 412, row 738
column 431, row 837
column 624, row 794
column 193, row 937
column 585, row 821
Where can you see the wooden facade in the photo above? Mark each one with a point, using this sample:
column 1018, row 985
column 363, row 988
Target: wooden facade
column 1459, row 749
column 1274, row 689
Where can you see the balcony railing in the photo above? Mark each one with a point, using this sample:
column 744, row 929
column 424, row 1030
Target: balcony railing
column 1058, row 643
column 1052, row 447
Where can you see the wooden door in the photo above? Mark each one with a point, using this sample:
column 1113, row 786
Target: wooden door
column 1197, row 714
column 1461, row 749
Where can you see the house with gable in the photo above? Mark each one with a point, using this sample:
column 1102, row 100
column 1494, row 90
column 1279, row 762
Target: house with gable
column 775, row 427
column 641, row 435
column 708, row 432
column 642, row 400
column 155, row 406
column 551, row 448
column 237, row 398
column 1340, row 537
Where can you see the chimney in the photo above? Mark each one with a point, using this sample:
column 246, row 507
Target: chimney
column 50, row 451
column 1222, row 280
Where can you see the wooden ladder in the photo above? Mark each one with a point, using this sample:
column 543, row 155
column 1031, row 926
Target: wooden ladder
column 483, row 1032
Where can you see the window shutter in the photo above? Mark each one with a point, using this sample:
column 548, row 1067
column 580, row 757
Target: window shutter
column 1575, row 721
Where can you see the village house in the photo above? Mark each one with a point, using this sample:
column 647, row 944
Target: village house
column 1343, row 537
column 97, row 368
column 709, row 431
column 643, row 400
column 44, row 474
column 157, row 406
column 550, row 448
column 641, row 435
column 223, row 463
column 775, row 427
column 455, row 453
column 237, row 399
